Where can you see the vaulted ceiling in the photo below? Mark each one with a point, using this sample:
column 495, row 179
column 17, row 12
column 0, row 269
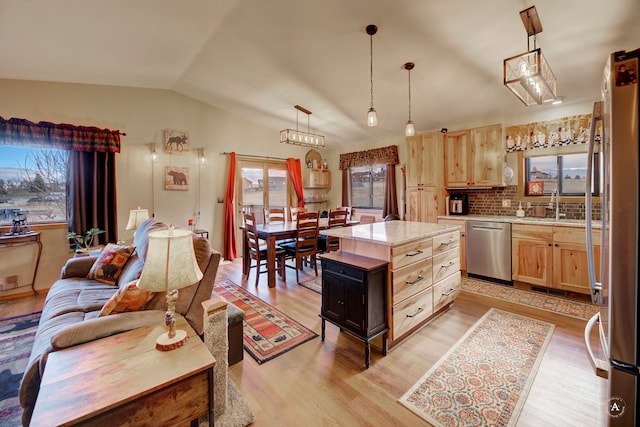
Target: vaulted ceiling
column 258, row 59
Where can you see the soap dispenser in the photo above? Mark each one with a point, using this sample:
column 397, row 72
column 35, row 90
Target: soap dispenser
column 520, row 211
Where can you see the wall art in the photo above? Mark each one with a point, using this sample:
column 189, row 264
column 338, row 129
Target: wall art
column 176, row 178
column 176, row 141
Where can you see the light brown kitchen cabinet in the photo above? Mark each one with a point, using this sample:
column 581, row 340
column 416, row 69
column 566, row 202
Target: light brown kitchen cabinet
column 487, row 156
column 553, row 256
column 474, row 158
column 425, row 187
column 463, row 238
column 457, row 151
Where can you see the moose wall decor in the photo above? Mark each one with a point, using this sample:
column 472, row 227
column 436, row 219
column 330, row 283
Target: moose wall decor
column 176, row 142
column 176, row 178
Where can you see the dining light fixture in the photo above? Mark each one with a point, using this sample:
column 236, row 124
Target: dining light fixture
column 529, row 75
column 409, row 129
column 170, row 265
column 372, row 117
column 298, row 137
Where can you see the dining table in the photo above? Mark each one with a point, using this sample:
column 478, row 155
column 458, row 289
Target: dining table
column 271, row 233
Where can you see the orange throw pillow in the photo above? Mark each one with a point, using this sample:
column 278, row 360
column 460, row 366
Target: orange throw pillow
column 109, row 264
column 127, row 298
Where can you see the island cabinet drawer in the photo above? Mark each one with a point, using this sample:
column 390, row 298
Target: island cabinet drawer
column 409, row 253
column 346, row 271
column 445, row 291
column 445, row 264
column 411, row 312
column 410, row 280
column 446, row 241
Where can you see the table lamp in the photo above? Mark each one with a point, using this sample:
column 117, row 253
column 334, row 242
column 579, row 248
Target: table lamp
column 170, row 265
column 137, row 217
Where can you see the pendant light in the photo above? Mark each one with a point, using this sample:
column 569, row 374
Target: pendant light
column 372, row 117
column 409, row 129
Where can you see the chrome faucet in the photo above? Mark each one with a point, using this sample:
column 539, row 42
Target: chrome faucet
column 554, row 203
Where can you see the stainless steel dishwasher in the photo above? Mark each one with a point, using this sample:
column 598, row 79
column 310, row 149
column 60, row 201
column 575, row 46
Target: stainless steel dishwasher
column 489, row 250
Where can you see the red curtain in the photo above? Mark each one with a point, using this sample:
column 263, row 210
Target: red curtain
column 295, row 173
column 229, row 251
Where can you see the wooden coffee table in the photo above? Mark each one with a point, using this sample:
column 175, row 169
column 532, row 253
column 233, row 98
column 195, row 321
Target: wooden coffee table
column 123, row 380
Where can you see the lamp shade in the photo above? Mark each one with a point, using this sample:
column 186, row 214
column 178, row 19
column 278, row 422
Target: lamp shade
column 171, row 261
column 137, row 217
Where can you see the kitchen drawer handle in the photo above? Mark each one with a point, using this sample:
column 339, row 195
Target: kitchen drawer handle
column 447, row 243
column 451, row 263
column 448, row 293
column 418, row 252
column 420, row 310
column 413, row 282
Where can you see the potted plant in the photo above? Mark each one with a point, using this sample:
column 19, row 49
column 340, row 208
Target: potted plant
column 82, row 242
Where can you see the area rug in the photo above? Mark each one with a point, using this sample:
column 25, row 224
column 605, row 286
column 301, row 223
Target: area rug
column 314, row 284
column 16, row 339
column 485, row 378
column 267, row 332
column 553, row 304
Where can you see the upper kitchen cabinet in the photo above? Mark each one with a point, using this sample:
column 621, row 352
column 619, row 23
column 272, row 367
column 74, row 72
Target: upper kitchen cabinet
column 424, row 162
column 487, row 156
column 474, row 158
column 457, row 151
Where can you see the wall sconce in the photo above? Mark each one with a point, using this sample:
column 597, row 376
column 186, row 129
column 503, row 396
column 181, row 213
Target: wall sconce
column 152, row 148
column 201, row 157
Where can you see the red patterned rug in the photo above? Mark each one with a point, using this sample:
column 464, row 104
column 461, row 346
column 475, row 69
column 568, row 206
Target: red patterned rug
column 485, row 378
column 267, row 332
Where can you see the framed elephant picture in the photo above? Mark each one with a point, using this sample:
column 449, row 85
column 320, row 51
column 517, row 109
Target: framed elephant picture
column 176, row 141
column 176, row 178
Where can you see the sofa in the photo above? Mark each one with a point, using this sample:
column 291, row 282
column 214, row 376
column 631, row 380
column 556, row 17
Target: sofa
column 72, row 308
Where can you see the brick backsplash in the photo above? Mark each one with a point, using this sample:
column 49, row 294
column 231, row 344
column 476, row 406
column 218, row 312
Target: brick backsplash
column 489, row 202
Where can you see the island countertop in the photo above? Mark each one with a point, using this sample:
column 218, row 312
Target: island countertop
column 390, row 233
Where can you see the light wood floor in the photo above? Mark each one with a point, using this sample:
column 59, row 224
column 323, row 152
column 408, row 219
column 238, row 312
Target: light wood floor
column 325, row 383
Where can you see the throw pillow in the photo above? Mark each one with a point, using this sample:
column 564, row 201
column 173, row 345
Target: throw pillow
column 127, row 298
column 109, row 263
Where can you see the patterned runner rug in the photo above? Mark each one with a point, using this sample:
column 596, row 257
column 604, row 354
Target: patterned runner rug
column 267, row 332
column 559, row 305
column 485, row 378
column 16, row 339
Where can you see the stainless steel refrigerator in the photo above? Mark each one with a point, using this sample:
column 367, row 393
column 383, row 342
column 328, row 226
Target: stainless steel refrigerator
column 617, row 153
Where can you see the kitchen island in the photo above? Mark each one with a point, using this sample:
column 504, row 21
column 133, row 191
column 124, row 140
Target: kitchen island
column 423, row 274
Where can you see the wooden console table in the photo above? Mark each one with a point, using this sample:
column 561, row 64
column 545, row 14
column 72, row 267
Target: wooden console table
column 122, row 380
column 30, row 238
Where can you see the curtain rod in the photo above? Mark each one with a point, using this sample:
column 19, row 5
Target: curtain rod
column 253, row 156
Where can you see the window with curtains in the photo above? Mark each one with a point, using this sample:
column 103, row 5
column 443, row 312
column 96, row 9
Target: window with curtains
column 367, row 186
column 32, row 180
column 265, row 184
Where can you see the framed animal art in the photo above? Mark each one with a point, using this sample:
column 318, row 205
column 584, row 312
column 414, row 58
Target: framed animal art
column 176, row 141
column 176, row 178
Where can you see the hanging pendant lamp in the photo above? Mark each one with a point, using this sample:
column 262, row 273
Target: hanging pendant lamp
column 409, row 129
column 372, row 117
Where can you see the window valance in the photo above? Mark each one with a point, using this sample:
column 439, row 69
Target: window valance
column 377, row 156
column 63, row 136
column 566, row 131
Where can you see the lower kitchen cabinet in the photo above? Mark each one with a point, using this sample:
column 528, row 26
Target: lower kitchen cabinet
column 553, row 256
column 354, row 297
column 463, row 238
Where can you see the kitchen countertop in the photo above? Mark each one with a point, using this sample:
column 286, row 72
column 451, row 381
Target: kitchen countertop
column 390, row 233
column 526, row 220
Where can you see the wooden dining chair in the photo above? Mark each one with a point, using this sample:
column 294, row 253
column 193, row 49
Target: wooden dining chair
column 258, row 250
column 306, row 242
column 295, row 211
column 337, row 219
column 275, row 215
column 348, row 209
column 367, row 219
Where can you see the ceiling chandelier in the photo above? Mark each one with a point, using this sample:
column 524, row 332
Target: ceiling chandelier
column 409, row 129
column 298, row 137
column 529, row 75
column 372, row 117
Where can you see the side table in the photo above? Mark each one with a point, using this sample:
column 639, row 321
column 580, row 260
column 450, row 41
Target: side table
column 123, row 380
